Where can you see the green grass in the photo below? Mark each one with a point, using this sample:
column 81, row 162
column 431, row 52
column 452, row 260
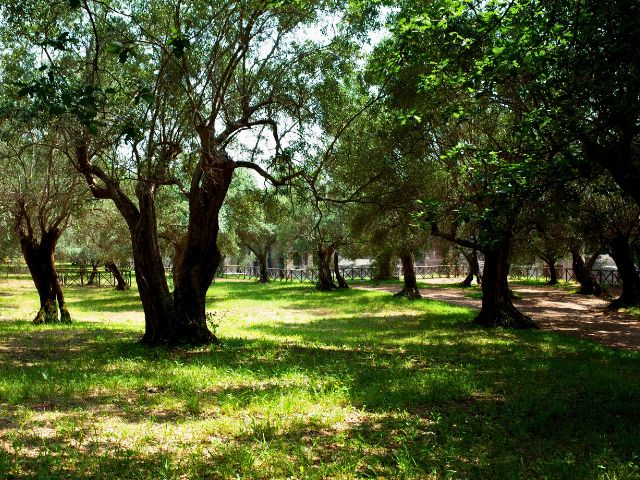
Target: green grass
column 477, row 295
column 542, row 282
column 350, row 384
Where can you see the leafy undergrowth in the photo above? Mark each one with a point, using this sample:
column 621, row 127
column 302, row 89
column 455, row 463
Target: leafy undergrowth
column 349, row 384
column 635, row 311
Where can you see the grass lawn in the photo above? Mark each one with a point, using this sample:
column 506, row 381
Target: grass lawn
column 352, row 384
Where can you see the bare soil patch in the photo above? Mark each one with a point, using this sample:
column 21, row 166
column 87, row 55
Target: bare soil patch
column 558, row 310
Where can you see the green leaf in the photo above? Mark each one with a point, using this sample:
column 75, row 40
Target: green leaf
column 178, row 43
column 114, row 48
column 66, row 99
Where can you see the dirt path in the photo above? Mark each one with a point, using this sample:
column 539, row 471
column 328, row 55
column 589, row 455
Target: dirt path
column 557, row 310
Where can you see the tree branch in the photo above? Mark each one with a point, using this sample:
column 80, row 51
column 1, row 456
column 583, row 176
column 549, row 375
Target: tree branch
column 435, row 231
column 276, row 182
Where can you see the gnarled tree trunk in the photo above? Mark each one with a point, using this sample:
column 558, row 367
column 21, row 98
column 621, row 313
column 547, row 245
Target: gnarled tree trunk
column 259, row 245
column 179, row 318
column 383, row 263
column 336, row 268
column 474, row 268
column 157, row 302
column 121, row 283
column 200, row 257
column 621, row 254
column 410, row 289
column 497, row 307
column 553, row 274
column 93, row 274
column 39, row 256
column 582, row 272
column 264, row 269
column 325, row 279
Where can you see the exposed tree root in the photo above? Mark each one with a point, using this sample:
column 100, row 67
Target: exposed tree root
column 326, row 286
column 621, row 302
column 48, row 313
column 408, row 292
column 507, row 316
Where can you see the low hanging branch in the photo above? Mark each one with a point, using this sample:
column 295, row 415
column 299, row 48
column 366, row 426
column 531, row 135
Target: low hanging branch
column 451, row 237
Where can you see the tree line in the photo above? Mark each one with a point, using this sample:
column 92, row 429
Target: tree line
column 503, row 128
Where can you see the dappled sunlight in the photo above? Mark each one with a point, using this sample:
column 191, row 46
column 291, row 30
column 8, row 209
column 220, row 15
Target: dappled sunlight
column 336, row 386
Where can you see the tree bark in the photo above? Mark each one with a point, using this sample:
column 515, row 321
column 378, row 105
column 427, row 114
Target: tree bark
column 121, row 283
column 582, row 272
column 553, row 274
column 179, row 318
column 157, row 302
column 410, row 289
column 621, row 254
column 621, row 161
column 497, row 307
column 474, row 268
column 264, row 269
column 39, row 257
column 325, row 279
column 383, row 262
column 260, row 246
column 200, row 257
column 336, row 268
column 93, row 274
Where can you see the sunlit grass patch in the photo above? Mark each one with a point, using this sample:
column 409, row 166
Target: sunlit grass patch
column 307, row 384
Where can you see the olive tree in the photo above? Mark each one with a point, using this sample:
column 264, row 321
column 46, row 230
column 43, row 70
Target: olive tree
column 180, row 95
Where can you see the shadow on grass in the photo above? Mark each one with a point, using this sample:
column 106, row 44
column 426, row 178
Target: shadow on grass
column 305, row 297
column 429, row 394
column 494, row 410
column 107, row 301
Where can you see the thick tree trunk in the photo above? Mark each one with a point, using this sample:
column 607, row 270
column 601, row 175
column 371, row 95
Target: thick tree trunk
column 497, row 308
column 336, row 268
column 622, row 164
column 410, row 289
column 553, row 274
column 582, row 272
column 39, row 257
column 474, row 268
column 383, row 263
column 93, row 274
column 121, row 283
column 325, row 279
column 261, row 248
column 264, row 269
column 621, row 254
column 200, row 257
column 179, row 318
column 157, row 302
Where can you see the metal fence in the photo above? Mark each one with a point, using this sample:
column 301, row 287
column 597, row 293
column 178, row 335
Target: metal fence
column 7, row 270
column 82, row 277
column 438, row 271
column 606, row 278
column 349, row 273
column 239, row 271
column 530, row 272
